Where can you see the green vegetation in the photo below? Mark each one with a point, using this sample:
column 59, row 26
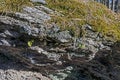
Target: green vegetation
column 75, row 13
column 81, row 46
column 13, row 5
column 30, row 43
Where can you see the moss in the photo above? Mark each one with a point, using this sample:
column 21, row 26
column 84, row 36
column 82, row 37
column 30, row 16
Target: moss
column 13, row 5
column 77, row 13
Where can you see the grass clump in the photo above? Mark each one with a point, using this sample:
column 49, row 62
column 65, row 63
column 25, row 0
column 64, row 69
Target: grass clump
column 13, row 5
column 75, row 13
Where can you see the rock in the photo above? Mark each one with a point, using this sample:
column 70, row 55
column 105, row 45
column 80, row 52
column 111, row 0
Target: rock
column 36, row 32
column 62, row 75
column 39, row 50
column 62, row 37
column 89, row 32
column 54, row 57
column 45, row 9
column 59, row 63
column 91, row 41
column 104, row 66
column 39, row 1
column 2, row 35
column 12, row 34
column 5, row 42
column 57, row 50
column 21, row 75
column 33, row 15
column 12, row 70
column 22, row 27
column 53, row 29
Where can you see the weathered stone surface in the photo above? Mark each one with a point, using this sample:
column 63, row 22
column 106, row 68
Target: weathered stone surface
column 21, row 75
column 5, row 42
column 13, row 34
column 33, row 15
column 47, row 10
column 105, row 66
column 92, row 40
column 39, row 1
column 63, row 36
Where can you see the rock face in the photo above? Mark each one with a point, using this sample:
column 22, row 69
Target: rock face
column 30, row 43
column 20, row 75
column 103, row 67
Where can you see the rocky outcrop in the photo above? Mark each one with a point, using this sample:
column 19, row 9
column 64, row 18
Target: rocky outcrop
column 28, row 39
column 105, row 66
column 21, row 75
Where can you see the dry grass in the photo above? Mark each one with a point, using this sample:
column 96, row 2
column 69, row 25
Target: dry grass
column 13, row 5
column 75, row 14
column 78, row 12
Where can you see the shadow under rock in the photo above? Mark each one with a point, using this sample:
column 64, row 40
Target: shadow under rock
column 18, row 59
column 6, row 63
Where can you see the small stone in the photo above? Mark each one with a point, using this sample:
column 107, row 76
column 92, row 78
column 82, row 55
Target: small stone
column 36, row 48
column 59, row 63
column 69, row 68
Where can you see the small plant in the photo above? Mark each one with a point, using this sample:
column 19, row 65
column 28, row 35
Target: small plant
column 81, row 46
column 30, row 43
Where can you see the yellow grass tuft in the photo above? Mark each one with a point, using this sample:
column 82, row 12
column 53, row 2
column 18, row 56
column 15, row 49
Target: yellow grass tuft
column 13, row 5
